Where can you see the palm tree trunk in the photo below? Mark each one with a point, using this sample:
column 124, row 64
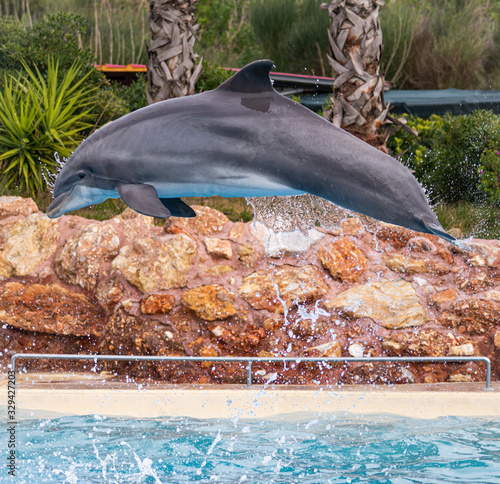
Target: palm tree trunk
column 173, row 67
column 355, row 38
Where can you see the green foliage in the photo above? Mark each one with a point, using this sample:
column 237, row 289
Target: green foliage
column 40, row 117
column 454, row 157
column 212, row 77
column 293, row 33
column 441, row 44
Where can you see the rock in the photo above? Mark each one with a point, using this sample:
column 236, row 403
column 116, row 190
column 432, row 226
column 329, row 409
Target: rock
column 237, row 231
column 109, row 294
column 157, row 263
column 397, row 236
column 248, row 255
column 217, row 270
column 352, row 227
column 444, row 296
column 157, row 304
column 483, row 255
column 82, row 256
column 473, row 281
column 343, row 260
column 49, row 309
column 412, row 265
column 421, row 244
column 219, row 248
column 277, row 244
column 496, row 339
column 356, row 350
column 391, row 304
column 473, row 316
column 306, row 328
column 210, row 303
column 207, row 221
column 12, row 206
column 27, row 243
column 135, row 225
column 492, row 295
column 273, row 288
column 332, row 349
column 462, row 350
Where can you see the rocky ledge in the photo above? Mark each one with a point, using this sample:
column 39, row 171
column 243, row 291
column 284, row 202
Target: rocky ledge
column 210, row 287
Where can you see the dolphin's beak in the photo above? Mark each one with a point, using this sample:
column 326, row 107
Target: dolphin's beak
column 57, row 207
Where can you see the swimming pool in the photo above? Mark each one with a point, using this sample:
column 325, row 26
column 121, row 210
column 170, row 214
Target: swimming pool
column 297, row 449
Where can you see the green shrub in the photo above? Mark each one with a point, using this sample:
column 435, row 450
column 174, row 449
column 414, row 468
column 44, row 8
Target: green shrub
column 38, row 118
column 212, row 77
column 454, row 157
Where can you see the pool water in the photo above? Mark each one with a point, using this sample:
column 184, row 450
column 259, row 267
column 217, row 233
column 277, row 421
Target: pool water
column 298, row 449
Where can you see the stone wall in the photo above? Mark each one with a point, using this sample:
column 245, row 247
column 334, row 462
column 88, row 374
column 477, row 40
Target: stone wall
column 207, row 286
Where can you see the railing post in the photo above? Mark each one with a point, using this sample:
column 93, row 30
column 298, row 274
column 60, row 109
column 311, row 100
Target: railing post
column 249, row 373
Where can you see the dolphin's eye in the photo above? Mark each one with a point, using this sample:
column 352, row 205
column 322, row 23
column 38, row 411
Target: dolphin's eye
column 81, row 174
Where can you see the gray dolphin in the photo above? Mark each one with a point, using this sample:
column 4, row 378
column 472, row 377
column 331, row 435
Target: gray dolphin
column 242, row 139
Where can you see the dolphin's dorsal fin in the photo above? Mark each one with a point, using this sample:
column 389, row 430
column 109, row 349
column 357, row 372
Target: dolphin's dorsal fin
column 253, row 78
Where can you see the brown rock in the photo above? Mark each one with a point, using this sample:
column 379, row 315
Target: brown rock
column 109, row 294
column 332, row 349
column 412, row 265
column 209, row 351
column 427, row 342
column 12, row 206
column 472, row 315
column 343, row 260
column 397, row 236
column 444, row 296
column 391, row 304
column 27, row 243
column 421, row 244
column 219, row 248
column 157, row 263
column 157, row 304
column 207, row 221
column 49, row 309
column 82, row 256
column 272, row 288
column 473, row 281
column 210, row 302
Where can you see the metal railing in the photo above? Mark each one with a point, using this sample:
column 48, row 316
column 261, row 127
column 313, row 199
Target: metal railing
column 250, row 359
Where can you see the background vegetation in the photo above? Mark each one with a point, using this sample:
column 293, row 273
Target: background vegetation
column 428, row 44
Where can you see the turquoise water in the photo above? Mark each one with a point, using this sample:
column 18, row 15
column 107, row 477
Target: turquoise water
column 325, row 449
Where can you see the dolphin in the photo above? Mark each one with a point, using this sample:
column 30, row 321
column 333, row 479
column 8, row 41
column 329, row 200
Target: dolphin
column 242, row 139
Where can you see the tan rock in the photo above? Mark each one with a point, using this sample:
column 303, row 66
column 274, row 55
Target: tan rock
column 134, row 225
column 421, row 244
column 472, row 315
column 343, row 260
column 271, row 289
column 356, row 350
column 27, row 243
column 209, row 351
column 496, row 339
column 493, row 295
column 12, row 206
column 412, row 265
column 217, row 270
column 352, row 227
column 483, row 255
column 219, row 248
column 154, row 263
column 332, row 349
column 248, row 255
column 462, row 350
column 157, row 304
column 211, row 302
column 473, row 281
column 391, row 304
column 49, row 309
column 82, row 256
column 236, row 232
column 207, row 221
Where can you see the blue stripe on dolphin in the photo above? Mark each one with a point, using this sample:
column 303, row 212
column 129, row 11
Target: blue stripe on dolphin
column 242, row 139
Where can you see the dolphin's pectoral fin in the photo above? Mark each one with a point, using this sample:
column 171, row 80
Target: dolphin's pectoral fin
column 178, row 208
column 437, row 229
column 143, row 199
